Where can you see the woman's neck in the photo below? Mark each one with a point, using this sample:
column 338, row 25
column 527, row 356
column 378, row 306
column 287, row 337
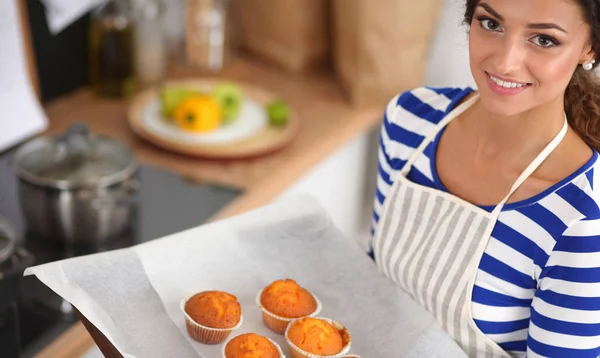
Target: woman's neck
column 520, row 135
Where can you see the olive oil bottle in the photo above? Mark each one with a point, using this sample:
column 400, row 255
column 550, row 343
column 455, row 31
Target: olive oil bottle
column 111, row 49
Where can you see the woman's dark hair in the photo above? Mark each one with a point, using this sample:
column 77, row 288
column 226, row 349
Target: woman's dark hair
column 582, row 96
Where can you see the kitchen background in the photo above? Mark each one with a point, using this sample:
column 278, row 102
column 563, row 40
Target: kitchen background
column 108, row 64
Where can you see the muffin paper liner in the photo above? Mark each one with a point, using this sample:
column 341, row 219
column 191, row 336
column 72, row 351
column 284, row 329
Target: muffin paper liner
column 299, row 353
column 204, row 334
column 277, row 323
column 279, row 350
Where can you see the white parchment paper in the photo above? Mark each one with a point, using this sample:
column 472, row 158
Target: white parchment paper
column 133, row 295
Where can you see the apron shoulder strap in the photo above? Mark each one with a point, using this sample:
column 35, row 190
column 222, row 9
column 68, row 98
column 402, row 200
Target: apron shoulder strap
column 534, row 165
column 453, row 114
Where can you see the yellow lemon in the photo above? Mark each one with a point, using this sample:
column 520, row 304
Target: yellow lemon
column 198, row 113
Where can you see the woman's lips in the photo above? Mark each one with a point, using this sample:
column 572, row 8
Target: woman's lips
column 505, row 88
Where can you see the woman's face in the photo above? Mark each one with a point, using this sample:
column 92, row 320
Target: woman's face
column 523, row 52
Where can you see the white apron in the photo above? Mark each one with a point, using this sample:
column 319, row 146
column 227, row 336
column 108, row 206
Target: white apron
column 430, row 243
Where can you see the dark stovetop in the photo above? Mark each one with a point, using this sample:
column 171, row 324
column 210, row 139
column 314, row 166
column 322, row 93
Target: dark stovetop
column 167, row 204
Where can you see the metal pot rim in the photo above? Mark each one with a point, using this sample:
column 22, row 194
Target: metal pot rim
column 63, row 184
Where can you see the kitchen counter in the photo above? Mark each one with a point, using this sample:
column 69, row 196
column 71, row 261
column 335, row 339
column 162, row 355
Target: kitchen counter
column 327, row 122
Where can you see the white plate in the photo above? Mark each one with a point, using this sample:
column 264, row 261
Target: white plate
column 251, row 120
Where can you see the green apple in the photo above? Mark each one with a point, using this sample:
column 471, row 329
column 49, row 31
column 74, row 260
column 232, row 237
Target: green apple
column 278, row 113
column 230, row 97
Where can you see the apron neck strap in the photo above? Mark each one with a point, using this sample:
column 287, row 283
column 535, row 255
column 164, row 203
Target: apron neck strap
column 534, row 165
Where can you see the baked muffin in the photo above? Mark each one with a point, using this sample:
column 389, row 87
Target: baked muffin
column 214, row 309
column 283, row 301
column 211, row 316
column 286, row 298
column 251, row 345
column 315, row 336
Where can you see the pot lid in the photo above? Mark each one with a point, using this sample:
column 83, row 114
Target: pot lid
column 77, row 158
column 8, row 238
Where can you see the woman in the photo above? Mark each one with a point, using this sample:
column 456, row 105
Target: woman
column 488, row 203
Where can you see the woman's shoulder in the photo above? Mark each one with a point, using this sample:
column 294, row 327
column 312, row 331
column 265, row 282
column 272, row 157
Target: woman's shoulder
column 412, row 115
column 577, row 205
column 576, row 201
column 428, row 103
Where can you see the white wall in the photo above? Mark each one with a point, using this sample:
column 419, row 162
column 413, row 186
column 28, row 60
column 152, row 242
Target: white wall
column 448, row 62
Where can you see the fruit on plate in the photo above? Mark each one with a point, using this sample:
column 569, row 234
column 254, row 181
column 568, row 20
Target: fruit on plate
column 278, row 113
column 198, row 113
column 171, row 97
column 229, row 96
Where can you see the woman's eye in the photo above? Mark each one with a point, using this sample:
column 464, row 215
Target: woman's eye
column 490, row 24
column 544, row 41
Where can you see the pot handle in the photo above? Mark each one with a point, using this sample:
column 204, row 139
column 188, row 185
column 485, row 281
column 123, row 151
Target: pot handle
column 126, row 199
column 76, row 129
column 75, row 143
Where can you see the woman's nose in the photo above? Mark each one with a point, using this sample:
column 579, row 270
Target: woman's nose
column 510, row 56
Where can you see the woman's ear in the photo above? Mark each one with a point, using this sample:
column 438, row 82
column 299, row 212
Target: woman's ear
column 588, row 54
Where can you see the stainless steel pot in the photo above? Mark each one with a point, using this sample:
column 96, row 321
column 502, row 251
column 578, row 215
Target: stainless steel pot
column 76, row 188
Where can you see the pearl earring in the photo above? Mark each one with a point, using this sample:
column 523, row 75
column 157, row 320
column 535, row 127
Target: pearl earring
column 587, row 65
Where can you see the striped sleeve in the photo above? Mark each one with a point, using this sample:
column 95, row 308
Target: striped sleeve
column 385, row 166
column 565, row 312
column 397, row 141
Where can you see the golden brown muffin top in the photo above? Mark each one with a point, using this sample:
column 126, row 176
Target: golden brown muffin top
column 250, row 345
column 214, row 309
column 316, row 336
column 285, row 298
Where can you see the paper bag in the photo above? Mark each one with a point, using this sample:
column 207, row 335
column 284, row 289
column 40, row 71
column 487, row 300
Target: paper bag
column 380, row 48
column 292, row 34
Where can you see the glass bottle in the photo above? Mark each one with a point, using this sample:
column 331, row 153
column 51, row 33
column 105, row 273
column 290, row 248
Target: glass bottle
column 150, row 52
column 208, row 42
column 111, row 50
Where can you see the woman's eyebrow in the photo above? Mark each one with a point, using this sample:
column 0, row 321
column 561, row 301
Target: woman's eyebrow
column 489, row 9
column 545, row 26
column 540, row 26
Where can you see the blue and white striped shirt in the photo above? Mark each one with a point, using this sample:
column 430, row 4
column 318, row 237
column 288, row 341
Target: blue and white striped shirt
column 537, row 290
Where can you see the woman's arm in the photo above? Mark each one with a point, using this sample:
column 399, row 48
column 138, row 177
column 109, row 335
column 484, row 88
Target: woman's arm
column 565, row 312
column 385, row 167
